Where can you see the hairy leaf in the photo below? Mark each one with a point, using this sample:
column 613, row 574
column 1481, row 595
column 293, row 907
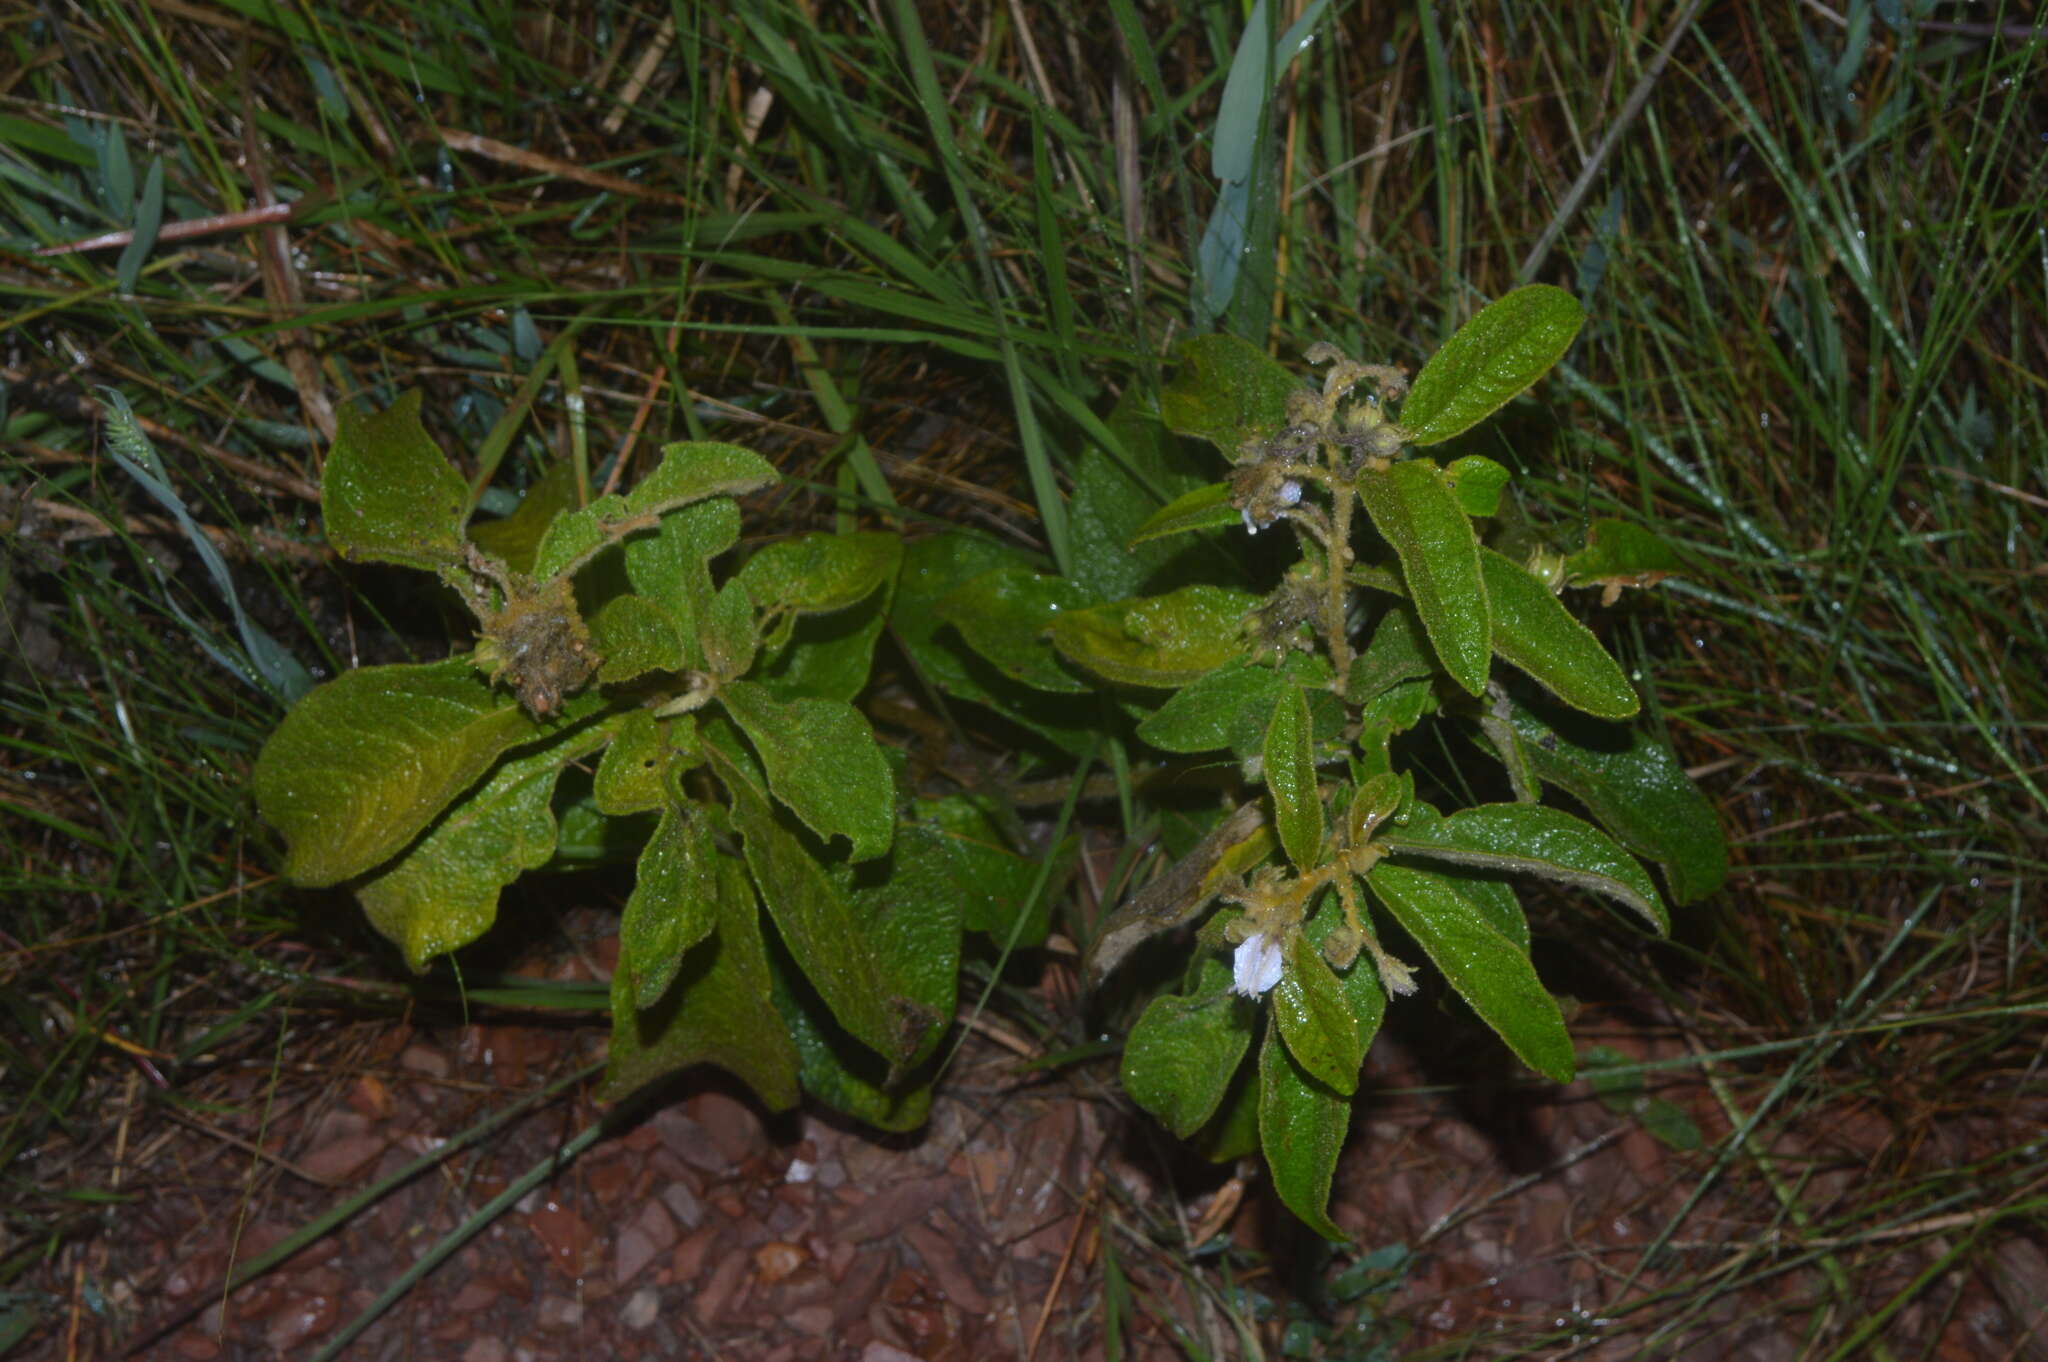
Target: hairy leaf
column 688, row 472
column 1205, row 508
column 1635, row 787
column 821, row 760
column 1316, row 1019
column 1180, row 1058
column 718, row 1009
column 1160, row 641
column 1301, row 1129
column 442, row 892
column 1004, row 616
column 388, row 495
column 1535, row 839
column 363, row 763
column 1291, row 778
column 1227, row 391
column 1507, row 346
column 1414, row 511
column 1491, row 972
column 1534, row 632
column 674, row 903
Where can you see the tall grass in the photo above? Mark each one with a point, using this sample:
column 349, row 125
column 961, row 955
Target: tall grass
column 913, row 252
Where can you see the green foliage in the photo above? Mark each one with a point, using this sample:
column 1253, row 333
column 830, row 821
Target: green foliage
column 725, row 706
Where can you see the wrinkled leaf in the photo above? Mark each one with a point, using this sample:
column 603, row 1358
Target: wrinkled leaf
column 822, row 762
column 1180, row 1058
column 1507, row 346
column 1399, row 651
column 717, row 1010
column 820, row 572
column 1489, row 971
column 827, row 657
column 1117, row 493
column 442, row 892
column 1230, row 706
column 363, row 763
column 992, row 883
column 1205, row 508
column 674, row 904
column 632, row 775
column 825, row 935
column 671, row 566
column 1535, row 839
column 387, row 494
column 836, row 1069
column 515, row 538
column 1004, row 616
column 1301, row 1128
column 1227, row 391
column 1620, row 553
column 1416, row 513
column 1635, row 787
column 1534, row 632
column 1291, row 778
column 1477, row 482
column 635, row 636
column 1316, row 1020
column 688, row 472
column 730, row 636
column 1160, row 641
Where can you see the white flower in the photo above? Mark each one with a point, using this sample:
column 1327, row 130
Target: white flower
column 1256, row 966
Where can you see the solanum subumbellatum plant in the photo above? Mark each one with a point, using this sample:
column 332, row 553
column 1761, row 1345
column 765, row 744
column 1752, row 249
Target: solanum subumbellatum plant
column 799, row 906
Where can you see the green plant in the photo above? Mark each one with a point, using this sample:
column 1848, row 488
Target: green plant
column 734, row 755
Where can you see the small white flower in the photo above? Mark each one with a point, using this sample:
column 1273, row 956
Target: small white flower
column 1290, row 493
column 1256, row 966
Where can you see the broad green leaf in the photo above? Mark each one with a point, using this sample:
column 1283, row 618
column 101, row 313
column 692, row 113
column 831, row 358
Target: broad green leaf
column 1180, row 1058
column 1635, row 787
column 827, row 657
column 688, row 472
column 820, row 572
column 632, row 776
column 911, row 908
column 635, row 636
column 363, row 763
column 1488, row 970
column 441, row 893
column 1415, row 512
column 1004, row 616
column 1399, row 651
column 1116, row 493
column 1205, row 508
column 932, row 570
column 674, row 904
column 1291, row 778
column 1619, row 553
column 836, row 1069
column 1399, row 708
column 1494, row 897
column 388, row 495
column 1316, row 1020
column 1372, row 803
column 730, row 636
column 1231, row 706
column 1477, row 481
column 1227, row 391
column 1534, row 839
column 515, row 538
column 992, row 883
column 1534, row 632
column 1159, row 641
column 818, row 922
column 1507, row 346
column 671, row 566
column 822, row 762
column 1301, row 1129
column 718, row 1009
column 1359, row 985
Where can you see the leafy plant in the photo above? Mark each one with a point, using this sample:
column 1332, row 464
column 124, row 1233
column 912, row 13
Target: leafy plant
column 719, row 711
